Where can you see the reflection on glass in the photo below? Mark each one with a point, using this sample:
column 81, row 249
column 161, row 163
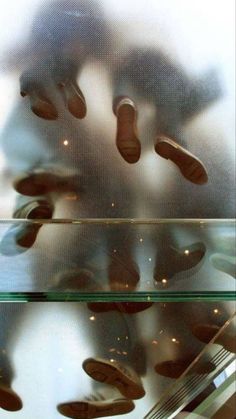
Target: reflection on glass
column 125, row 362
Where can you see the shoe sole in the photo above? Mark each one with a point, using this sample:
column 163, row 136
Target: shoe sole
column 43, row 108
column 36, row 184
column 123, row 275
column 24, row 235
column 126, row 307
column 228, row 342
column 191, row 167
column 104, row 372
column 191, row 261
column 177, row 264
column 126, row 140
column 173, row 369
column 90, row 410
column 39, row 211
column 30, row 236
column 73, row 99
column 76, row 104
column 9, row 400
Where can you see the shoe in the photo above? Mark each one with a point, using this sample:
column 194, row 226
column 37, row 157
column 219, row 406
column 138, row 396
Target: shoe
column 9, row 400
column 40, row 105
column 96, row 408
column 126, row 139
column 42, row 181
column 21, row 236
column 76, row 279
column 73, row 98
column 174, row 369
column 224, row 263
column 122, row 307
column 116, row 374
column 123, row 274
column 190, row 166
column 177, row 260
column 206, row 332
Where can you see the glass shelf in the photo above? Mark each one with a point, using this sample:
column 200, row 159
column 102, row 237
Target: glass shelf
column 43, row 347
column 117, row 260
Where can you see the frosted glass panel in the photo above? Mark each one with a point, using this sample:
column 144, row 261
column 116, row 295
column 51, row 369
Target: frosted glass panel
column 175, row 60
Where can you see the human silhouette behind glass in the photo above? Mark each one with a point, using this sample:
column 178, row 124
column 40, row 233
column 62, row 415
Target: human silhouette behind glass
column 156, row 79
column 66, row 36
column 10, row 313
column 147, row 73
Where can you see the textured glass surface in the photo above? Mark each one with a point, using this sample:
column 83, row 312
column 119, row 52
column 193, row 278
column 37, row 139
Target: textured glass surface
column 174, row 59
column 43, row 346
column 117, row 197
column 70, row 57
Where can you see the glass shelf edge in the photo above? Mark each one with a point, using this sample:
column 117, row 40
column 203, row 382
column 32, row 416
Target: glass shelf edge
column 115, row 221
column 117, row 297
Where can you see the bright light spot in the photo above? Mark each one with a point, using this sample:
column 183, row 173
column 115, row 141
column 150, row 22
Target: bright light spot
column 125, row 353
column 174, row 340
column 92, row 318
column 216, row 311
column 150, row 259
column 112, row 360
column 114, row 250
column 149, row 298
column 141, row 240
column 164, row 281
column 113, row 204
column 127, row 286
column 65, row 142
column 186, row 252
column 118, row 338
column 154, row 342
column 72, row 197
column 126, row 337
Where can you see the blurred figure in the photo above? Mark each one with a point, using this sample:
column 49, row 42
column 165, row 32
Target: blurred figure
column 156, row 79
column 9, row 399
column 64, row 36
column 121, row 377
column 176, row 98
